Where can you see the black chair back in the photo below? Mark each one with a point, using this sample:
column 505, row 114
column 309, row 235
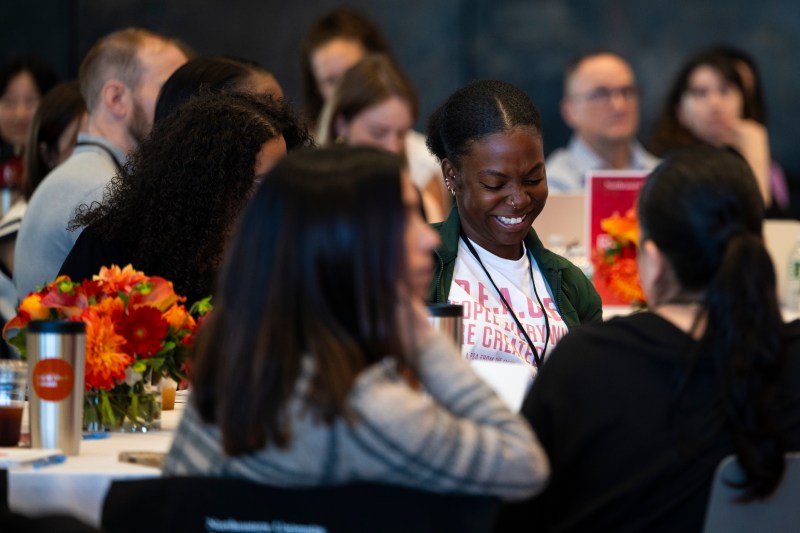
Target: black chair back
column 203, row 504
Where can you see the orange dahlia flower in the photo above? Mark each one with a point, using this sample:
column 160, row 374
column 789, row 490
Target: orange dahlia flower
column 106, row 361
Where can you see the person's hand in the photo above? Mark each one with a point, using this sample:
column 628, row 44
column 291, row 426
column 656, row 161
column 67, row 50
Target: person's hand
column 750, row 139
column 412, row 322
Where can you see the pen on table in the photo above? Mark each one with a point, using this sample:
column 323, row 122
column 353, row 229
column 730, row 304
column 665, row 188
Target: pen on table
column 96, row 436
column 47, row 461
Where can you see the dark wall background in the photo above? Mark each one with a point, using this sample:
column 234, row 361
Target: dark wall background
column 446, row 43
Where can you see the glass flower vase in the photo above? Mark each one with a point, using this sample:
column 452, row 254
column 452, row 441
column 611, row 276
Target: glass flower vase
column 128, row 409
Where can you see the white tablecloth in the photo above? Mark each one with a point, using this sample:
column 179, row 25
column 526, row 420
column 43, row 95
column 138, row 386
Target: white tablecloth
column 79, row 485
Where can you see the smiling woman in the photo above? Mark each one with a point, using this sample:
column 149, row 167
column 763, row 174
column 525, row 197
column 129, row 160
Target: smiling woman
column 518, row 297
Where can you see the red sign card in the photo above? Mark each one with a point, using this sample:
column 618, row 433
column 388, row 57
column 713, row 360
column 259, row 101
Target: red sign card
column 612, row 233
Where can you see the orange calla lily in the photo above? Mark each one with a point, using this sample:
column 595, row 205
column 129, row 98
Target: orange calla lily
column 156, row 292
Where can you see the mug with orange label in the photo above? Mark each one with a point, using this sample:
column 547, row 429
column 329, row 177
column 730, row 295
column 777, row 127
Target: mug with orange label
column 56, row 352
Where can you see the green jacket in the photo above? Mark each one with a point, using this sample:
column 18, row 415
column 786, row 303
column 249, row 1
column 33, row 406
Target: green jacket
column 574, row 294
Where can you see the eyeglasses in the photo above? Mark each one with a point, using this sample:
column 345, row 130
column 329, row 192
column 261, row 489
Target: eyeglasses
column 604, row 95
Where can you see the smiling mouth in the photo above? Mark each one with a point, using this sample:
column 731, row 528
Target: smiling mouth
column 511, row 221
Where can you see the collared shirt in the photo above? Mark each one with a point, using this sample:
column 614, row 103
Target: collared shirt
column 567, row 167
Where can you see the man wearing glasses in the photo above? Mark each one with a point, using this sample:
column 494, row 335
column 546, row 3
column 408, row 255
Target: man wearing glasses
column 601, row 105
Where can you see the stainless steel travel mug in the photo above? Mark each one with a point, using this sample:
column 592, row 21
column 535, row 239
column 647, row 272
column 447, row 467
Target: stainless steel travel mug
column 56, row 353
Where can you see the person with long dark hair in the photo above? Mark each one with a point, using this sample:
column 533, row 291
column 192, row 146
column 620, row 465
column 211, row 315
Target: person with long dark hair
column 715, row 100
column 636, row 413
column 318, row 365
column 23, row 83
column 171, row 209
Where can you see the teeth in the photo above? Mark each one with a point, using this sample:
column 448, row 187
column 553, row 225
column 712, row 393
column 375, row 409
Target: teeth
column 509, row 221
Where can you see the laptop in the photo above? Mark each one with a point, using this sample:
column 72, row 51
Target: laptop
column 562, row 222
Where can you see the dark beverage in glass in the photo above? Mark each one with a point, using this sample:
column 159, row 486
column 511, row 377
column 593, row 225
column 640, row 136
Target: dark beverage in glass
column 10, row 424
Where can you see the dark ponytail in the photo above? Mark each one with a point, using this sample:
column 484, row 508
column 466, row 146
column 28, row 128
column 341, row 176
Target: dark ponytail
column 702, row 208
column 743, row 339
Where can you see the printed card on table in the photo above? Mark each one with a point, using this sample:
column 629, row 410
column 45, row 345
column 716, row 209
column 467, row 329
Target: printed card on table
column 612, row 234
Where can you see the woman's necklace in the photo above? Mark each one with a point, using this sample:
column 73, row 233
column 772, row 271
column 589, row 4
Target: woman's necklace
column 537, row 359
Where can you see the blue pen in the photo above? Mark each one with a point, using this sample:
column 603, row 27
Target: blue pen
column 47, row 461
column 96, row 436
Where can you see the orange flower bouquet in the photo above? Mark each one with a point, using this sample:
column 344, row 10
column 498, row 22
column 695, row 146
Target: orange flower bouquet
column 137, row 331
column 615, row 260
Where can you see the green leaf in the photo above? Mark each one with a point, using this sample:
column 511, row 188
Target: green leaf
column 166, row 348
column 156, row 363
column 201, row 307
column 19, row 343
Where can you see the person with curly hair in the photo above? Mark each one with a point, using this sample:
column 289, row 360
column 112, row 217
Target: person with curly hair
column 171, row 208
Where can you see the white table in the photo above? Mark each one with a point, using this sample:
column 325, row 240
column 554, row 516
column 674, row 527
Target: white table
column 79, row 485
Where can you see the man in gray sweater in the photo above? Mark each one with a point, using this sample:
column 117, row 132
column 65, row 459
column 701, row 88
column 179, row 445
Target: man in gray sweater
column 120, row 79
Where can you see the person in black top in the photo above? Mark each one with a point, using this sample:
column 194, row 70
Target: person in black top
column 637, row 412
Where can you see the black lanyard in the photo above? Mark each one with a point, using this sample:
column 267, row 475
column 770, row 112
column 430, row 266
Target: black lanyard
column 536, row 357
column 103, row 147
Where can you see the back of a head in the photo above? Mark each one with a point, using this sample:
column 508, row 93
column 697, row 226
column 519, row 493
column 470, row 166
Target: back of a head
column 373, row 80
column 341, row 23
column 702, row 208
column 114, row 57
column 185, row 186
column 321, row 247
column 215, row 73
column 691, row 205
column 482, row 108
column 59, row 108
column 341, row 208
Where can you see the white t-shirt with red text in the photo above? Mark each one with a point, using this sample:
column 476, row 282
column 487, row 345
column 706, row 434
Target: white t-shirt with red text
column 489, row 331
